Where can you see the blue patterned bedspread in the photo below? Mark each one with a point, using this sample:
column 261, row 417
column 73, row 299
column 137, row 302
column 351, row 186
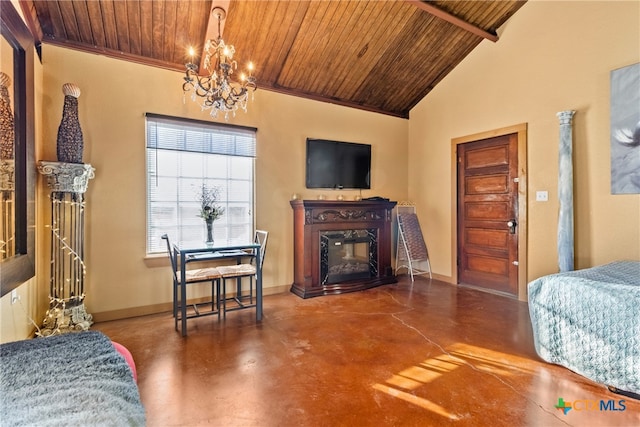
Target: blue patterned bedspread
column 589, row 321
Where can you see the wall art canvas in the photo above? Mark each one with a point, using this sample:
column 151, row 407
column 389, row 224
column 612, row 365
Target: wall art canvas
column 625, row 130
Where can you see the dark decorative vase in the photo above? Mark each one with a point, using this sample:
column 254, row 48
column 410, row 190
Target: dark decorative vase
column 70, row 144
column 7, row 130
column 209, row 240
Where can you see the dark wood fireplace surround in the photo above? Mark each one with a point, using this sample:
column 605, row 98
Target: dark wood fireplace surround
column 311, row 217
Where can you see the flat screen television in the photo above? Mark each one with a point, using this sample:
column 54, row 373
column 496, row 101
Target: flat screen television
column 334, row 164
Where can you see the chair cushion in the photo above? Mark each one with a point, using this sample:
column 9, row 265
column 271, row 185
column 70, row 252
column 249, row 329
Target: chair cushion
column 201, row 274
column 237, row 270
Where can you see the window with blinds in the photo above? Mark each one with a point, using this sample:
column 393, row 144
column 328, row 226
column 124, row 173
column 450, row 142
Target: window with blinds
column 182, row 155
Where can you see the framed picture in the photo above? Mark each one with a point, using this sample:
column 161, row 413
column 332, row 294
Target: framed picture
column 625, row 130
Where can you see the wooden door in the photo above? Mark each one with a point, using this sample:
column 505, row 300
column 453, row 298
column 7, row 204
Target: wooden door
column 488, row 213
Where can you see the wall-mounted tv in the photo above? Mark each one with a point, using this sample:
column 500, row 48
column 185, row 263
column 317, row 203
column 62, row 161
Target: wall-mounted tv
column 334, row 164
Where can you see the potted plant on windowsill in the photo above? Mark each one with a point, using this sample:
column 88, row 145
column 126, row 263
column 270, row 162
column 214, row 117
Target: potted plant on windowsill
column 209, row 209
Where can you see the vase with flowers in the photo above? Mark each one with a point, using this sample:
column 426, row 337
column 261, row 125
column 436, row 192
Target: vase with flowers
column 210, row 210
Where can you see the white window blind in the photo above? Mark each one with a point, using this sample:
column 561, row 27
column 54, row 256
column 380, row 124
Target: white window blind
column 182, row 155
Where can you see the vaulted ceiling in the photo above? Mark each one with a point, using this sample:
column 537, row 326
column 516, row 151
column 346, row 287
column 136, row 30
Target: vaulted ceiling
column 382, row 56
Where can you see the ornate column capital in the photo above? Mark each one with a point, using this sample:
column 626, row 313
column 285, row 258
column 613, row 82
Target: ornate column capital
column 67, row 177
column 565, row 117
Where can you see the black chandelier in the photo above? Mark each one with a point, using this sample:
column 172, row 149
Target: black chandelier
column 217, row 90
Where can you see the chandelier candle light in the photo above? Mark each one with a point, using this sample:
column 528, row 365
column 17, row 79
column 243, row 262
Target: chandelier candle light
column 217, row 90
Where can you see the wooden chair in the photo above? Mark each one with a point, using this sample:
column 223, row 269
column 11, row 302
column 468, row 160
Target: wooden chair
column 200, row 275
column 238, row 272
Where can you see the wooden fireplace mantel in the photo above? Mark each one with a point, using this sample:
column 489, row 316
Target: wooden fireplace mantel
column 312, row 217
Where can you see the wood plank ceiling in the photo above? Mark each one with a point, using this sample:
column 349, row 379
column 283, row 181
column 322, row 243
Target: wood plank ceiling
column 382, row 56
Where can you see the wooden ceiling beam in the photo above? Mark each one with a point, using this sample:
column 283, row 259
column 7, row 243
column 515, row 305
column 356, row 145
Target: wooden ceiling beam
column 212, row 29
column 446, row 16
column 31, row 19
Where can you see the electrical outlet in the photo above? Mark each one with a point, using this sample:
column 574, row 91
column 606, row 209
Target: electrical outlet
column 542, row 196
column 14, row 296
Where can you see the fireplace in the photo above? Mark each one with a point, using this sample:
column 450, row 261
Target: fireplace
column 341, row 246
column 348, row 255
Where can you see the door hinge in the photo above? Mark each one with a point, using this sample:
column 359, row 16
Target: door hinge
column 515, row 263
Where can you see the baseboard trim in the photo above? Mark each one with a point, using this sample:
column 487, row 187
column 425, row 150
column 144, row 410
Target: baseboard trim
column 434, row 276
column 126, row 313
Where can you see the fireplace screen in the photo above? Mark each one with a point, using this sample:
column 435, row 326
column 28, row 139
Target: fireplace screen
column 348, row 255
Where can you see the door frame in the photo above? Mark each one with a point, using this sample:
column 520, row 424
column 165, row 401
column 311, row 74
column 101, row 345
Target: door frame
column 521, row 132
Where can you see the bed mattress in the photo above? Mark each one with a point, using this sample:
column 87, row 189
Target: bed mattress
column 589, row 322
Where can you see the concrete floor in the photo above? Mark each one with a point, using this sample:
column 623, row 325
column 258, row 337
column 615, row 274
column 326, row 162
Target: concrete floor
column 427, row 354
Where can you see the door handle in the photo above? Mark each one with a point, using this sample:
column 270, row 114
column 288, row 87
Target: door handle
column 512, row 226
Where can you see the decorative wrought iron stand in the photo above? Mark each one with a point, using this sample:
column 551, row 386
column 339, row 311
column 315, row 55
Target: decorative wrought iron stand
column 67, row 182
column 411, row 249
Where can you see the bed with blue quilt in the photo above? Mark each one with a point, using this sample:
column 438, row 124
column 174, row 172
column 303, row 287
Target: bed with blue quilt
column 589, row 322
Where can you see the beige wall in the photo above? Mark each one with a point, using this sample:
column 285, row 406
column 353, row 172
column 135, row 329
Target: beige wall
column 116, row 95
column 551, row 56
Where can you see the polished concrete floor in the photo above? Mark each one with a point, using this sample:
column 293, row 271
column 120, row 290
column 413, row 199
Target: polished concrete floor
column 427, row 354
